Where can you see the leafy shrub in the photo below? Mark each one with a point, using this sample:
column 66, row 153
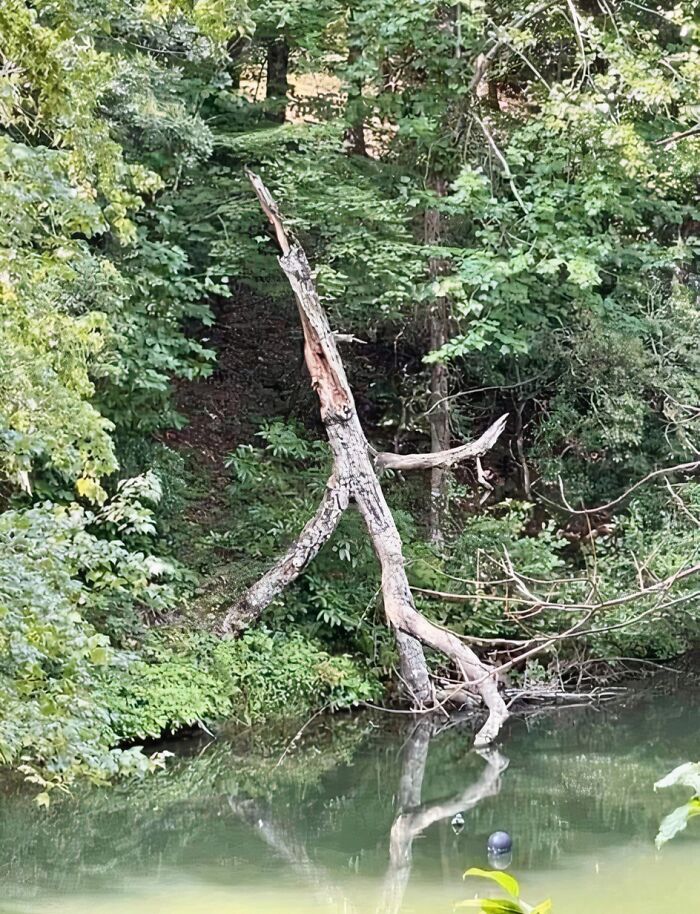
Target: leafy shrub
column 183, row 678
column 54, row 577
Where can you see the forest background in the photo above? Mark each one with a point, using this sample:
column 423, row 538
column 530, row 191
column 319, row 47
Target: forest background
column 501, row 204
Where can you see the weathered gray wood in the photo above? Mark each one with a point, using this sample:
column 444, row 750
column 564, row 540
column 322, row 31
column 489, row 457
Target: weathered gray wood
column 388, row 461
column 287, row 569
column 355, row 479
column 439, row 412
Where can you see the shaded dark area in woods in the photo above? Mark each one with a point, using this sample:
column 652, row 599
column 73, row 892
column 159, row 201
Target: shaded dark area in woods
column 245, row 388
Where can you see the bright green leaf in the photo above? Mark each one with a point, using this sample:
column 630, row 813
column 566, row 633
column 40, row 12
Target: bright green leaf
column 507, row 882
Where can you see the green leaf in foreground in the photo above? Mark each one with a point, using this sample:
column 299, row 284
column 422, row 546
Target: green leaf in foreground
column 676, row 821
column 687, row 775
column 493, row 905
column 507, row 882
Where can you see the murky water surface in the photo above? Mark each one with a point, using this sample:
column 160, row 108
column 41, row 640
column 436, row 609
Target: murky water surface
column 231, row 828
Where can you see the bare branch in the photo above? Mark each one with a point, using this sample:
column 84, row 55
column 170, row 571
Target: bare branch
column 690, row 467
column 680, row 504
column 388, row 461
column 287, row 569
column 531, row 599
column 348, row 338
column 539, row 643
column 504, row 162
column 483, row 61
column 271, row 211
column 676, row 137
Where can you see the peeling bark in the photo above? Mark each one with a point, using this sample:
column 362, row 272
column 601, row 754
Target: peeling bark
column 355, row 479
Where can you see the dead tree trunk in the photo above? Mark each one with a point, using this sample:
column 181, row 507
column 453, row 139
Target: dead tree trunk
column 355, row 480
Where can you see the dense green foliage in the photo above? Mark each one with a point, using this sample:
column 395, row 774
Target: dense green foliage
column 557, row 149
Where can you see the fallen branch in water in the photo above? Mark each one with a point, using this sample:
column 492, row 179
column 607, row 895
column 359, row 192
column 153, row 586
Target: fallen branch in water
column 561, row 696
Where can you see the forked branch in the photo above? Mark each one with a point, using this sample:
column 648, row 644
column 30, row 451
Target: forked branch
column 355, row 480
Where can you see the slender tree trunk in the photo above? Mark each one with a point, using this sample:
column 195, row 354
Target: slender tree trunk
column 355, row 479
column 277, row 81
column 355, row 133
column 439, row 423
column 236, row 51
column 439, row 413
column 492, row 96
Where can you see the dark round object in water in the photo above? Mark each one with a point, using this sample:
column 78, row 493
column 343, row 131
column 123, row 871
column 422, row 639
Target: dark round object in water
column 500, row 842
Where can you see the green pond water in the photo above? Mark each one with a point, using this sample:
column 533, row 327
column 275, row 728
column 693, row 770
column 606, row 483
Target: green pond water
column 232, row 828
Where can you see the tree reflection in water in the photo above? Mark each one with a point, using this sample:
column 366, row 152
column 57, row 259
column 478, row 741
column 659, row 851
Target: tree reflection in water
column 412, row 818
